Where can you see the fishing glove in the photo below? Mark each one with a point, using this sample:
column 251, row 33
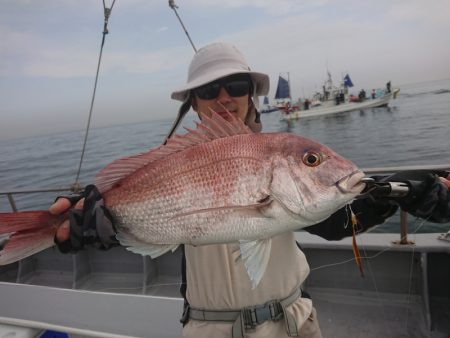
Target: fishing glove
column 90, row 226
column 368, row 211
column 428, row 197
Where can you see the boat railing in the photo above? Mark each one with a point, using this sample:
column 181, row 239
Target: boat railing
column 376, row 170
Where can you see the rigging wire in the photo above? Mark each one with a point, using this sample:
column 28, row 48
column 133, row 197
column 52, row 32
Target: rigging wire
column 174, row 7
column 107, row 13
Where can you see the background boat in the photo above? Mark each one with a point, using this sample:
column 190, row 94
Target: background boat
column 267, row 107
column 336, row 99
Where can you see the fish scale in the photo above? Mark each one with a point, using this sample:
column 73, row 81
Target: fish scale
column 208, row 181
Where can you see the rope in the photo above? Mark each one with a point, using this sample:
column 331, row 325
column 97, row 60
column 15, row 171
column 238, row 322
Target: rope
column 107, row 12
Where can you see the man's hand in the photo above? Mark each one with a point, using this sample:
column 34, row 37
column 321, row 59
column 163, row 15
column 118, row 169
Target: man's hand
column 89, row 222
column 429, row 196
column 62, row 205
column 446, row 180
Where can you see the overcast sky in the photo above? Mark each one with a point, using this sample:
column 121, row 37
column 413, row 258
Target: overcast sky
column 49, row 51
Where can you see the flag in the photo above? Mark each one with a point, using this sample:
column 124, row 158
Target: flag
column 347, row 81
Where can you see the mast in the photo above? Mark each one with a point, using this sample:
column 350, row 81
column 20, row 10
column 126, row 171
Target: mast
column 289, row 84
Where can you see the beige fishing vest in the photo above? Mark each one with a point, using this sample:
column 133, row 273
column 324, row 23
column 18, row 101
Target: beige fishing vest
column 216, row 282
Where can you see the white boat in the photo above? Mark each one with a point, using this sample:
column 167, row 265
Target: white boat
column 335, row 100
column 381, row 101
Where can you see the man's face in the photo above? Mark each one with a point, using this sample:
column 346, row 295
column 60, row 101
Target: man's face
column 230, row 93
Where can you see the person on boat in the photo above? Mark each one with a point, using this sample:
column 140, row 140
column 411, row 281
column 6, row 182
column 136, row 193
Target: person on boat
column 306, row 104
column 362, row 95
column 373, row 94
column 388, row 87
column 219, row 298
column 287, row 108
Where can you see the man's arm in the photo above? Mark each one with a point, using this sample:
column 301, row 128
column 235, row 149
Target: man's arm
column 430, row 200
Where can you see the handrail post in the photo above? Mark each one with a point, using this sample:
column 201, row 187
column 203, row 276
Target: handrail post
column 403, row 230
column 12, row 202
column 403, row 227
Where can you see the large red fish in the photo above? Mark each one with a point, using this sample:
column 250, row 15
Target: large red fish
column 220, row 183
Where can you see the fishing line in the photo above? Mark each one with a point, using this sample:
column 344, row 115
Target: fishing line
column 380, row 301
column 411, row 273
column 365, row 257
column 368, row 258
column 107, row 14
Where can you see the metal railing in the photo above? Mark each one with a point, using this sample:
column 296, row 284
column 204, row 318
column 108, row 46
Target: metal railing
column 378, row 170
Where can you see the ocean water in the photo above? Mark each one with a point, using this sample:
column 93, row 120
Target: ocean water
column 413, row 130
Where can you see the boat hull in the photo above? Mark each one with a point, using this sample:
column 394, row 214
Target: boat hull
column 143, row 300
column 382, row 101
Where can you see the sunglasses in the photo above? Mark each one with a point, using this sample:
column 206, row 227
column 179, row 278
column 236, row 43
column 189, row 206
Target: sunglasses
column 234, row 85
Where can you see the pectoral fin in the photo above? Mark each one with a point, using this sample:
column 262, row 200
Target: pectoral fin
column 255, row 256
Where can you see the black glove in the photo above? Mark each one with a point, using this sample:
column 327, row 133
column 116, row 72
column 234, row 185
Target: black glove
column 90, row 226
column 372, row 211
column 428, row 197
column 368, row 211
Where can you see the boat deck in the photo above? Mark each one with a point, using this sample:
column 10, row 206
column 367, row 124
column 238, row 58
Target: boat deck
column 119, row 294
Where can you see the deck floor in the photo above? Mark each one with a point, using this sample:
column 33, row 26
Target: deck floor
column 348, row 313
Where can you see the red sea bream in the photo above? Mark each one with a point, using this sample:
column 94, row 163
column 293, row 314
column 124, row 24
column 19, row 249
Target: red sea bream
column 221, row 183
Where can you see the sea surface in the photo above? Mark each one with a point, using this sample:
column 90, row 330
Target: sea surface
column 413, row 130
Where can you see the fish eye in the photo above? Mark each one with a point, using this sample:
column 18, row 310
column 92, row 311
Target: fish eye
column 311, row 159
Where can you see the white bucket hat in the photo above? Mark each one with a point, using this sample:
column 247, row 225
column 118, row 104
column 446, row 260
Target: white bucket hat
column 215, row 61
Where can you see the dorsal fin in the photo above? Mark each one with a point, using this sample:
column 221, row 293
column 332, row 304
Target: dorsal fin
column 209, row 129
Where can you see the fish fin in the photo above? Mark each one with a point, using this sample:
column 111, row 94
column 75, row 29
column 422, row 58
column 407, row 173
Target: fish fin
column 25, row 233
column 209, row 129
column 250, row 208
column 255, row 256
column 145, row 249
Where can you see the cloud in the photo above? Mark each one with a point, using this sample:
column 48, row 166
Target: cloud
column 32, row 55
column 271, row 7
column 434, row 12
column 162, row 29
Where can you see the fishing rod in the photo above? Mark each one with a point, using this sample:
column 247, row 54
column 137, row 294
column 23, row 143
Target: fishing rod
column 393, row 189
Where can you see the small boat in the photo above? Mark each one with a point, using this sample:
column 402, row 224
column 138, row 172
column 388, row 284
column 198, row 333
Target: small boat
column 267, row 108
column 336, row 99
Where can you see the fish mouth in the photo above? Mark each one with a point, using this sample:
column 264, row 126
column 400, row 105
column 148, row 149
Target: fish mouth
column 351, row 184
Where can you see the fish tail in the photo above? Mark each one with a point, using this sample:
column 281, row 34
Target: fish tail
column 23, row 234
column 355, row 246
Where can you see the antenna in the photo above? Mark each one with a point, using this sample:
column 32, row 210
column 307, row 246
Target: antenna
column 174, row 7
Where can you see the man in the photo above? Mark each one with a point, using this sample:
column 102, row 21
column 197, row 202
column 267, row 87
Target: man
column 220, row 300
